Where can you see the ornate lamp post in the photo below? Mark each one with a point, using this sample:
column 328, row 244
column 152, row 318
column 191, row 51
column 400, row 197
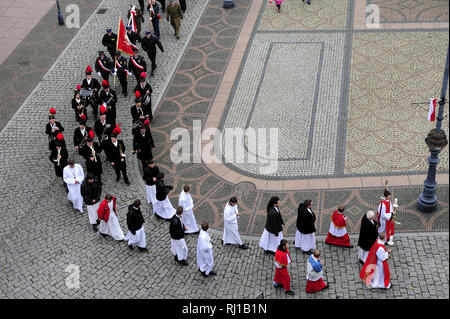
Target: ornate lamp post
column 436, row 141
column 60, row 16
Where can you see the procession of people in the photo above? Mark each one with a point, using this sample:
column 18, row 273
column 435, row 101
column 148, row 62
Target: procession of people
column 103, row 149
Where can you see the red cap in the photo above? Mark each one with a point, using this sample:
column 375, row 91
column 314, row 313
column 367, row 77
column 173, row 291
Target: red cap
column 137, row 94
column 117, row 130
column 88, row 69
column 147, row 122
column 52, row 111
column 83, row 117
column 78, row 87
column 105, row 84
column 60, row 137
column 91, row 134
column 143, row 74
column 103, row 109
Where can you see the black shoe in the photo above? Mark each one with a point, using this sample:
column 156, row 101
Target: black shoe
column 290, row 292
column 104, row 235
column 117, row 179
column 131, row 247
column 127, row 182
column 326, row 287
column 204, row 274
column 221, row 241
column 309, row 252
column 183, row 262
column 243, row 246
column 212, row 273
column 157, row 216
column 125, row 94
column 178, row 37
column 278, row 286
column 361, row 262
column 98, row 222
column 94, row 227
column 351, row 246
column 143, row 249
column 175, row 257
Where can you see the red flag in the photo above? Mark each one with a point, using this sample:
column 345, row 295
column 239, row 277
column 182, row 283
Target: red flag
column 432, row 110
column 123, row 43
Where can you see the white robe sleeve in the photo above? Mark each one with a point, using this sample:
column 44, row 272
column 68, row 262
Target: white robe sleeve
column 382, row 254
column 383, row 213
column 80, row 174
column 229, row 214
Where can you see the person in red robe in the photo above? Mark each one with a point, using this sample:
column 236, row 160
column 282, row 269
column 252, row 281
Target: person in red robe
column 375, row 272
column 282, row 259
column 337, row 234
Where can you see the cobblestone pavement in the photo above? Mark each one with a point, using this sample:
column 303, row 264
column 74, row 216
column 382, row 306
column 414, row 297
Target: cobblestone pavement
column 41, row 235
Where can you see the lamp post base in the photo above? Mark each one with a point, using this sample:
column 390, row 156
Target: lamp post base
column 228, row 4
column 427, row 205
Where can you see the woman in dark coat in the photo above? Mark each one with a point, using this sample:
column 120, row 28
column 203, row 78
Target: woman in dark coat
column 367, row 235
column 305, row 238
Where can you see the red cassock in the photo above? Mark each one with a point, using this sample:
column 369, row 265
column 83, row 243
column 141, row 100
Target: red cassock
column 281, row 274
column 338, row 221
column 313, row 286
column 368, row 270
column 103, row 210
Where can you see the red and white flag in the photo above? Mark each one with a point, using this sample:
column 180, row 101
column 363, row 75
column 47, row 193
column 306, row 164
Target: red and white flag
column 123, row 43
column 131, row 21
column 432, row 110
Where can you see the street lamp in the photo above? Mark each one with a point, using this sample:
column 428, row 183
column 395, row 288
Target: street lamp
column 228, row 4
column 60, row 16
column 436, row 141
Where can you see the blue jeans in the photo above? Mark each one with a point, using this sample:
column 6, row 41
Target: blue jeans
column 155, row 23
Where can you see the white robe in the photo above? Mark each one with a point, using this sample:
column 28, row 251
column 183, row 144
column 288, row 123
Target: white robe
column 139, row 239
column 69, row 176
column 151, row 195
column 92, row 213
column 311, row 274
column 269, row 241
column 384, row 217
column 362, row 254
column 164, row 208
column 112, row 227
column 230, row 226
column 378, row 277
column 305, row 241
column 179, row 248
column 205, row 258
column 188, row 217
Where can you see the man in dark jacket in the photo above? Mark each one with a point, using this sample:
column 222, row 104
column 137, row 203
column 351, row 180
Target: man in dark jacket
column 135, row 222
column 177, row 242
column 143, row 144
column 91, row 190
column 109, row 40
column 149, row 43
column 304, row 236
column 272, row 235
column 115, row 154
column 367, row 235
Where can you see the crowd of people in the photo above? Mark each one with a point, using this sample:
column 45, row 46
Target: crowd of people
column 87, row 189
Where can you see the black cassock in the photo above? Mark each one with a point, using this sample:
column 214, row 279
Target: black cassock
column 94, row 167
column 305, row 220
column 143, row 144
column 274, row 221
column 62, row 161
column 368, row 233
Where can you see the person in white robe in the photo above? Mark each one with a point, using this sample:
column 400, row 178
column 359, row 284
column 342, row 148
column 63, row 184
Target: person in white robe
column 109, row 224
column 188, row 218
column 273, row 231
column 163, row 208
column 230, row 224
column 205, row 256
column 136, row 233
column 91, row 190
column 178, row 245
column 375, row 272
column 305, row 237
column 73, row 176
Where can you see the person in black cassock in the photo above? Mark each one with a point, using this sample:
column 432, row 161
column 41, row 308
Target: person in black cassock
column 90, row 153
column 177, row 243
column 143, row 143
column 59, row 158
column 91, row 190
column 367, row 235
column 273, row 231
column 115, row 154
column 52, row 128
column 136, row 232
column 305, row 238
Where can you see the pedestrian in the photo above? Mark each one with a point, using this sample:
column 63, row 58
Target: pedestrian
column 375, row 273
column 305, row 237
column 155, row 16
column 103, row 128
column 59, row 156
column 145, row 92
column 115, row 154
column 177, row 242
column 103, row 65
column 188, row 218
column 108, row 98
column 205, row 256
column 314, row 273
column 90, row 152
column 282, row 260
column 138, row 17
column 136, row 64
column 73, row 176
column 151, row 172
column 143, row 143
column 384, row 215
column 52, row 128
column 139, row 112
column 163, row 208
column 81, row 134
column 176, row 15
column 109, row 223
column 91, row 84
column 230, row 224
column 79, row 104
column 368, row 235
column 121, row 70
column 163, row 5
column 183, row 5
column 109, row 40
column 337, row 233
column 149, row 43
column 136, row 232
column 133, row 37
column 273, row 231
column 278, row 4
column 91, row 190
